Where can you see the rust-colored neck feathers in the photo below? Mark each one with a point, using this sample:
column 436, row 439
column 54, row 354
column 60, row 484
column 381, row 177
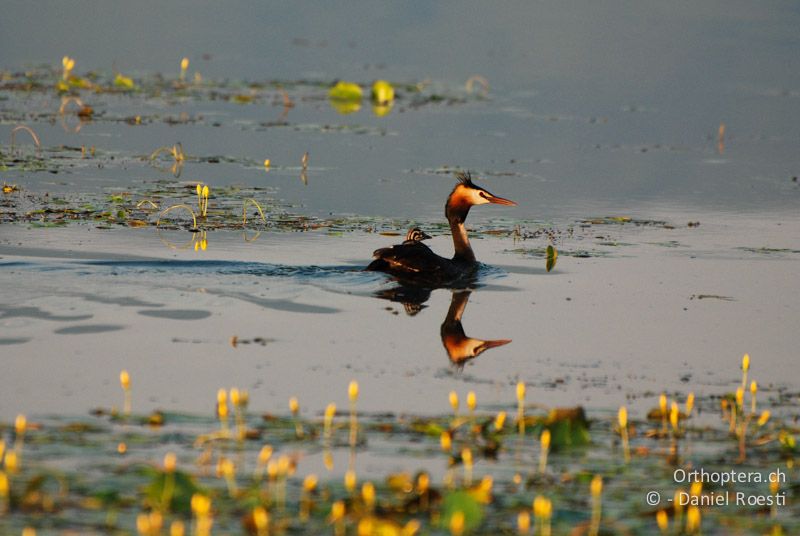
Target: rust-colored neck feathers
column 456, row 210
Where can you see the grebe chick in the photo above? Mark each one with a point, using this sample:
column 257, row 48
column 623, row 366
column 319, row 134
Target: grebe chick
column 415, row 234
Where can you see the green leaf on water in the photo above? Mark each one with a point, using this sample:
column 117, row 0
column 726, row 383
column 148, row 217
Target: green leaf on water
column 76, row 81
column 80, row 428
column 176, row 487
column 552, row 256
column 346, row 91
column 430, row 428
column 123, row 81
column 108, row 497
column 787, row 441
column 568, row 428
column 462, row 501
column 345, row 97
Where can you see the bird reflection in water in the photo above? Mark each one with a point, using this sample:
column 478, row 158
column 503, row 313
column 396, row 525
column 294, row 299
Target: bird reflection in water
column 459, row 346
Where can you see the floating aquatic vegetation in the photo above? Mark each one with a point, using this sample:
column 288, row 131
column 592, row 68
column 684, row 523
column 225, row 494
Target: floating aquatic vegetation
column 352, row 395
column 625, row 220
column 711, row 297
column 125, row 382
column 175, row 207
column 251, row 472
column 768, row 250
column 251, row 201
column 84, row 111
column 345, row 97
column 542, row 252
column 329, row 128
column 124, row 82
column 382, row 97
column 521, row 407
column 346, row 92
column 622, row 421
column 68, row 64
column 552, row 256
column 67, row 80
column 184, row 68
column 157, row 91
column 202, row 200
column 29, row 130
column 477, row 80
column 176, row 151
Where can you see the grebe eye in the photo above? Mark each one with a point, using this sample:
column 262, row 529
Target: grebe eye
column 482, row 194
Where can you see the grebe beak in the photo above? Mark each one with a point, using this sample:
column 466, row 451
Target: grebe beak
column 493, row 344
column 500, row 200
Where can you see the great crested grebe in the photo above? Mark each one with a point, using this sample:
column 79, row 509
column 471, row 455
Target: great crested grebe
column 414, row 262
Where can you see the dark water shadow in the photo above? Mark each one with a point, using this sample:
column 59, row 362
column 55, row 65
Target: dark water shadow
column 88, row 329
column 8, row 341
column 122, row 301
column 277, row 305
column 37, row 313
column 15, row 264
column 336, row 279
column 176, row 314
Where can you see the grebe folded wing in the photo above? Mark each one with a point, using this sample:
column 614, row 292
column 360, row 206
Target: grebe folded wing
column 409, row 257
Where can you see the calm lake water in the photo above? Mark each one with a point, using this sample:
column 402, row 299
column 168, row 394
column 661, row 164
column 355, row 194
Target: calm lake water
column 592, row 111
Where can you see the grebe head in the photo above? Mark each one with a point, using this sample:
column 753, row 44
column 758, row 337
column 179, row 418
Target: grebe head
column 415, row 234
column 466, row 194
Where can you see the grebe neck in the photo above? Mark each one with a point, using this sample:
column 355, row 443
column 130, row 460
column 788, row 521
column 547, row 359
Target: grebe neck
column 463, row 251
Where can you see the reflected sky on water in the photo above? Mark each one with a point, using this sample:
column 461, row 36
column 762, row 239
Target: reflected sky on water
column 592, row 108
